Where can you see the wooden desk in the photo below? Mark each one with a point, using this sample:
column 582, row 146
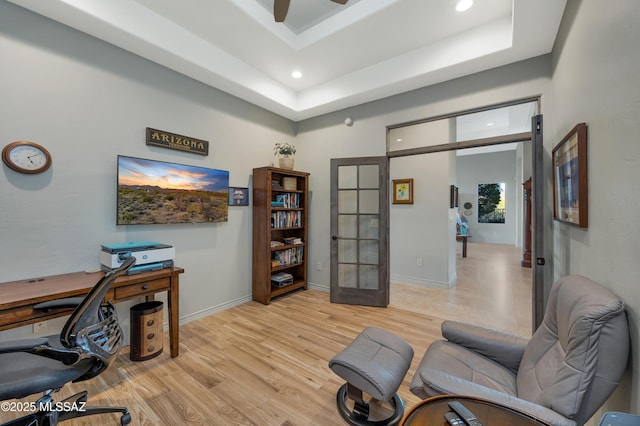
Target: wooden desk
column 463, row 238
column 431, row 411
column 18, row 297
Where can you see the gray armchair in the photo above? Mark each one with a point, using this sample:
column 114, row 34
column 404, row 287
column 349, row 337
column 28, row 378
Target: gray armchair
column 562, row 375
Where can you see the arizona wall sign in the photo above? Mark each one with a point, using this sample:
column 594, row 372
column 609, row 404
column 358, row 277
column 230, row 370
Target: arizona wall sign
column 175, row 141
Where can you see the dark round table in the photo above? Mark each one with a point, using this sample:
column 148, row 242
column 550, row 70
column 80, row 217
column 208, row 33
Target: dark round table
column 431, row 411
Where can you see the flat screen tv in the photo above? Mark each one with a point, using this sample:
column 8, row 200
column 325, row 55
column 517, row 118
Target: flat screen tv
column 157, row 192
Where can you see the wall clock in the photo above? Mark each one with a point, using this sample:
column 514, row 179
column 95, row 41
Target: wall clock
column 26, row 157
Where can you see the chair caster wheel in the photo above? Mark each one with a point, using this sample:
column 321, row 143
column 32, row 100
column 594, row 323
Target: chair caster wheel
column 125, row 419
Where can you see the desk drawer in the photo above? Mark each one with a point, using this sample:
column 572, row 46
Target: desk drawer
column 140, row 289
column 25, row 315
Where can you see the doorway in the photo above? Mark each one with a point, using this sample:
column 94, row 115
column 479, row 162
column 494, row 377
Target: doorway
column 443, row 136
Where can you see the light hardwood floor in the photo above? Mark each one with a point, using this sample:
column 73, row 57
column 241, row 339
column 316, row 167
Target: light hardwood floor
column 268, row 365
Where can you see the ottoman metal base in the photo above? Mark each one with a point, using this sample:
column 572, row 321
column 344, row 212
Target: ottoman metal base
column 359, row 415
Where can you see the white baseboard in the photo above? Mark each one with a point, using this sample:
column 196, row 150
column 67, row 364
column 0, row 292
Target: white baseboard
column 319, row 287
column 210, row 311
column 420, row 281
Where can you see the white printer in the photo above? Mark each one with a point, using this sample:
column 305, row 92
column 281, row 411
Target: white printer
column 150, row 256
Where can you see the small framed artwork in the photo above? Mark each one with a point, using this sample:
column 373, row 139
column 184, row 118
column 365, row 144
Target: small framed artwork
column 403, row 191
column 570, row 191
column 453, row 196
column 238, row 196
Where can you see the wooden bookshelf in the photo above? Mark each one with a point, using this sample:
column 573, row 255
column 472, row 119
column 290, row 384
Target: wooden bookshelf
column 280, row 211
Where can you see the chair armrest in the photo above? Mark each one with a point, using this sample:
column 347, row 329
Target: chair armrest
column 40, row 346
column 449, row 384
column 21, row 345
column 66, row 303
column 504, row 348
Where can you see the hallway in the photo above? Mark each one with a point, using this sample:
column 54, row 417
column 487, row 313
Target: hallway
column 491, row 290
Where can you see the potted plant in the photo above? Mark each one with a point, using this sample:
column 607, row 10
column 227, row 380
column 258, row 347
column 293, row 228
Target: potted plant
column 285, row 151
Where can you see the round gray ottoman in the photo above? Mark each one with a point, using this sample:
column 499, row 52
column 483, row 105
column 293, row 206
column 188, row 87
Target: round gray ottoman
column 374, row 363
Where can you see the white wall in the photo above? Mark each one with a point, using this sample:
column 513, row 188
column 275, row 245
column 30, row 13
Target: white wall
column 596, row 65
column 421, row 233
column 86, row 102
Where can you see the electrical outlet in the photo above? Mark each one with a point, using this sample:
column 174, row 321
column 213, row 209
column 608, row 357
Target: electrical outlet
column 319, row 266
column 39, row 327
column 419, row 262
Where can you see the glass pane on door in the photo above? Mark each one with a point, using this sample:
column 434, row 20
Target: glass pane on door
column 369, row 200
column 347, row 251
column 369, row 176
column 347, row 226
column 368, row 226
column 347, row 177
column 369, row 277
column 348, row 201
column 348, row 276
column 368, row 252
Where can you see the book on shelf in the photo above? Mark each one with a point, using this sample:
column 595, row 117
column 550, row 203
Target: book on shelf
column 276, row 243
column 292, row 240
column 276, row 184
column 289, row 201
column 286, row 219
column 290, row 256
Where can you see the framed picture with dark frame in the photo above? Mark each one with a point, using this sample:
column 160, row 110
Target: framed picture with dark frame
column 570, row 190
column 238, row 196
column 453, row 196
column 403, row 191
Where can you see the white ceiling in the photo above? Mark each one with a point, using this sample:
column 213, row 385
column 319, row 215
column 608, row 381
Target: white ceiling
column 363, row 51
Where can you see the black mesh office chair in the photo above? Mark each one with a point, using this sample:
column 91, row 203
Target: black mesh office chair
column 86, row 346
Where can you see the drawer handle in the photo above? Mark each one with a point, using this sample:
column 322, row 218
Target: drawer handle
column 144, row 287
column 150, row 323
column 151, row 336
column 150, row 349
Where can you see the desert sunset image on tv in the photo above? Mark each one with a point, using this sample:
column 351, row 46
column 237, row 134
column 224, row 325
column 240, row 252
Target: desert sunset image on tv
column 157, row 192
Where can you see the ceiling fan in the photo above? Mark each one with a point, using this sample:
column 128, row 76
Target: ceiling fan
column 281, row 7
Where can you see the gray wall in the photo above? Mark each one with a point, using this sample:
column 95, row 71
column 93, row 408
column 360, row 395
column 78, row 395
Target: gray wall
column 596, row 65
column 422, row 234
column 86, row 102
column 327, row 137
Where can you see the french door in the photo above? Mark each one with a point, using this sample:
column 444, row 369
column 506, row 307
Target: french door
column 537, row 219
column 360, row 231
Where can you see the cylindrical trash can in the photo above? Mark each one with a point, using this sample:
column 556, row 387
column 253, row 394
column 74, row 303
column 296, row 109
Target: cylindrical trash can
column 146, row 331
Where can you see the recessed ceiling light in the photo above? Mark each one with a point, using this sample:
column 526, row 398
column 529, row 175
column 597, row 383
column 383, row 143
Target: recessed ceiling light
column 296, row 74
column 464, row 5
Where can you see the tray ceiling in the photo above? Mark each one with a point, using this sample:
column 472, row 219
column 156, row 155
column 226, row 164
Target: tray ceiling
column 359, row 52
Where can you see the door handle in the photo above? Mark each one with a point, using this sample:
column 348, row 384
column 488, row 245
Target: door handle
column 334, row 237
